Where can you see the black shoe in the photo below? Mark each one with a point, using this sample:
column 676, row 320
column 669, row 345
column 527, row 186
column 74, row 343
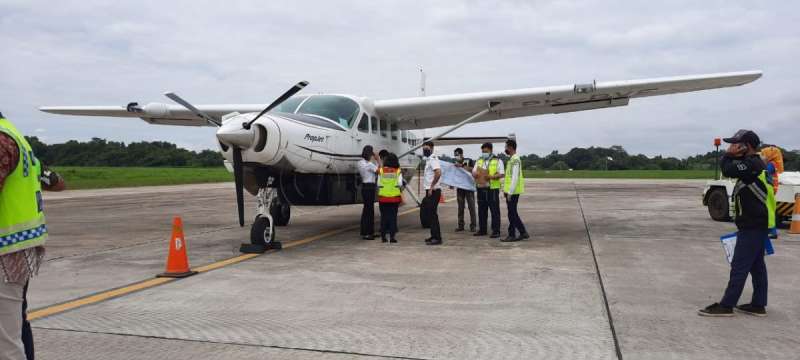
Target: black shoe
column 434, row 242
column 428, row 240
column 510, row 238
column 383, row 239
column 472, row 228
column 752, row 310
column 368, row 237
column 460, row 228
column 495, row 235
column 393, row 241
column 523, row 236
column 716, row 310
column 479, row 233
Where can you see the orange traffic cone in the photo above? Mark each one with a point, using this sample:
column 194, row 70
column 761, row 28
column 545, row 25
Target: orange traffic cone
column 177, row 260
column 795, row 227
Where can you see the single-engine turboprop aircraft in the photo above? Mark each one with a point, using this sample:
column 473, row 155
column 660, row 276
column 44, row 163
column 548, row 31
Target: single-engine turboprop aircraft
column 304, row 150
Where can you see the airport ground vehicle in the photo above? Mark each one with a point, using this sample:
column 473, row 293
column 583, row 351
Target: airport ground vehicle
column 717, row 196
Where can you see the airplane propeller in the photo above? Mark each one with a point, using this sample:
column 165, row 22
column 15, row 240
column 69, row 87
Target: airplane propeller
column 237, row 137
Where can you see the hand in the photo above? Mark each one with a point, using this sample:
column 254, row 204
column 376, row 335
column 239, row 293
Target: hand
column 736, row 149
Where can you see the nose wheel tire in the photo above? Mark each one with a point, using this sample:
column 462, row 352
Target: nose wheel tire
column 262, row 237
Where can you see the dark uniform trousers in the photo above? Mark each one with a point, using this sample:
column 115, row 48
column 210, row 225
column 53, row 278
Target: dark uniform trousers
column 514, row 221
column 388, row 218
column 466, row 198
column 368, row 212
column 748, row 257
column 488, row 202
column 431, row 204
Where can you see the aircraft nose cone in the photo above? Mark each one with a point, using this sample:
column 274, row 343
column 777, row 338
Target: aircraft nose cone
column 234, row 134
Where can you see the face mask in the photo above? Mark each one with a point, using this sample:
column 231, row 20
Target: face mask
column 508, row 152
column 427, row 152
column 459, row 157
column 485, row 155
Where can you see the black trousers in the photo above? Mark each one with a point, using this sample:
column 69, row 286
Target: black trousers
column 488, row 202
column 27, row 333
column 514, row 221
column 368, row 212
column 431, row 204
column 388, row 218
column 748, row 257
column 466, row 198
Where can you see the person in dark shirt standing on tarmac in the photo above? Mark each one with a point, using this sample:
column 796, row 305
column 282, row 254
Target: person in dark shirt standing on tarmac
column 754, row 203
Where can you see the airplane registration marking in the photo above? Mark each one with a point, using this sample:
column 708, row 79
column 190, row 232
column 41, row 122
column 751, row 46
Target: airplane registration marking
column 151, row 283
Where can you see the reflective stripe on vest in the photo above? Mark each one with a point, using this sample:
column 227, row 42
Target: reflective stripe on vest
column 519, row 187
column 493, row 183
column 388, row 183
column 22, row 222
column 767, row 198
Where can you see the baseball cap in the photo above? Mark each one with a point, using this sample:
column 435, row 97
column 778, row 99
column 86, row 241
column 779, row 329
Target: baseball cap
column 744, row 136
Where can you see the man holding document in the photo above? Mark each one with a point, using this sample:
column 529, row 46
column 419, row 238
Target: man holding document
column 754, row 205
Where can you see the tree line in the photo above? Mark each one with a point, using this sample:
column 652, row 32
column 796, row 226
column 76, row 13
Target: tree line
column 99, row 152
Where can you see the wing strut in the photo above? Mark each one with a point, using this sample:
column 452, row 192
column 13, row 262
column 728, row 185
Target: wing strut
column 491, row 106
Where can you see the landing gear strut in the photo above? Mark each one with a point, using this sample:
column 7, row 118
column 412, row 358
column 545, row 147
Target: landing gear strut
column 262, row 232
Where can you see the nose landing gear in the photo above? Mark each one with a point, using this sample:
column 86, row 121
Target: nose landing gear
column 270, row 212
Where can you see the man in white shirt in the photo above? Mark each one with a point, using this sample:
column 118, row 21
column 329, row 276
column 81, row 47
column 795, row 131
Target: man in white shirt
column 433, row 192
column 368, row 172
column 513, row 187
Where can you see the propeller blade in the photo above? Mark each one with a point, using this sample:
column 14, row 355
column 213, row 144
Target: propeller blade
column 194, row 110
column 237, row 177
column 289, row 93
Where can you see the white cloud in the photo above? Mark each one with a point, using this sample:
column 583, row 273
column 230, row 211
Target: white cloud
column 94, row 52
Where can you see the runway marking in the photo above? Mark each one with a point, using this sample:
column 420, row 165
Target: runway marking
column 150, row 283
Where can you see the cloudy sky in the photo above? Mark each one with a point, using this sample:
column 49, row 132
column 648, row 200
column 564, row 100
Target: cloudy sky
column 112, row 52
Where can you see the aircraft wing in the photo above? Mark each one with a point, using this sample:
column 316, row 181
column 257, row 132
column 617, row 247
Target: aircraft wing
column 443, row 110
column 471, row 140
column 157, row 113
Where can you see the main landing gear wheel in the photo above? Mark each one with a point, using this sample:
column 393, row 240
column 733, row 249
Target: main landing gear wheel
column 262, row 237
column 718, row 205
column 281, row 212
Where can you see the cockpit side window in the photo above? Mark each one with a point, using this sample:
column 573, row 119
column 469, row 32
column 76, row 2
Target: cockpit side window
column 339, row 109
column 384, row 128
column 374, row 124
column 363, row 124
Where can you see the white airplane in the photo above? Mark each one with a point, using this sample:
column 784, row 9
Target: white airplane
column 304, row 150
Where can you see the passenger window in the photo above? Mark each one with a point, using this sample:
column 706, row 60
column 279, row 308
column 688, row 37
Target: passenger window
column 404, row 135
column 384, row 128
column 394, row 131
column 374, row 125
column 363, row 125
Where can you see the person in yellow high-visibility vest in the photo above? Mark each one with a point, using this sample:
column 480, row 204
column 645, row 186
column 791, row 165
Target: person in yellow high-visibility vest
column 488, row 171
column 513, row 187
column 390, row 187
column 22, row 235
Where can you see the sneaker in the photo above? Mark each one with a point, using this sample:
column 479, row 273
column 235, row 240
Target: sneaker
column 459, row 229
column 434, row 242
column 495, row 235
column 510, row 238
column 752, row 310
column 715, row 310
column 523, row 236
column 479, row 233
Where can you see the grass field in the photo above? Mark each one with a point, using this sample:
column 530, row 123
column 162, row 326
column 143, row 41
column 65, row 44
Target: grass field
column 620, row 174
column 110, row 177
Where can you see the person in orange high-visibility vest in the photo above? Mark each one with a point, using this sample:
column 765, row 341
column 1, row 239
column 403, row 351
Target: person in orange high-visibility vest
column 390, row 196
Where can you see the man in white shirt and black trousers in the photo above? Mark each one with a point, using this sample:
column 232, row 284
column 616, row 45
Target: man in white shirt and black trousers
column 433, row 192
column 368, row 172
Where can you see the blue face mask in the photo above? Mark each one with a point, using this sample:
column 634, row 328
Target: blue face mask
column 485, row 155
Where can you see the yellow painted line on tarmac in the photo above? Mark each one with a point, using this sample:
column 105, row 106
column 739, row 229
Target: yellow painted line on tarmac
column 146, row 284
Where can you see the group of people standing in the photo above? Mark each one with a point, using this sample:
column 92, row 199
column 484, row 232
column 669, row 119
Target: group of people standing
column 381, row 172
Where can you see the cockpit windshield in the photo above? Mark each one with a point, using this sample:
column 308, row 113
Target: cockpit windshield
column 290, row 105
column 340, row 109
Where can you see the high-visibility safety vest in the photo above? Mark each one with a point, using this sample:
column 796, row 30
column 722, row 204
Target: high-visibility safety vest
column 508, row 187
column 22, row 223
column 765, row 197
column 493, row 183
column 389, row 184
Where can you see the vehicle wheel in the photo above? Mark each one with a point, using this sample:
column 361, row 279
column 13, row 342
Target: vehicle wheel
column 719, row 205
column 261, row 233
column 281, row 212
